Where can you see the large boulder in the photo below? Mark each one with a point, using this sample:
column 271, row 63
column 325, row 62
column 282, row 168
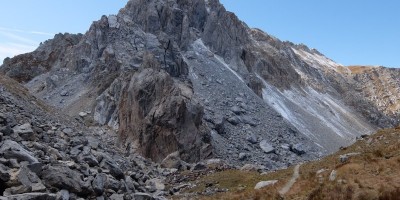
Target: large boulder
column 10, row 149
column 62, row 177
column 159, row 115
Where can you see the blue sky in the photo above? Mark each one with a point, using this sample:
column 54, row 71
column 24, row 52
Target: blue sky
column 365, row 32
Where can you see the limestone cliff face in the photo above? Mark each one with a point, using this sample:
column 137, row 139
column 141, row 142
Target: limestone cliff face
column 181, row 75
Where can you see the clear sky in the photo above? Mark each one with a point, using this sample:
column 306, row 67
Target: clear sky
column 365, row 32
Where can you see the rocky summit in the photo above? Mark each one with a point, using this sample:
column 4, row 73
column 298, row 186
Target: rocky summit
column 112, row 112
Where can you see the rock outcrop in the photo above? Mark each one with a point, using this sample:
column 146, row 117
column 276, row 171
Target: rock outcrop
column 160, row 116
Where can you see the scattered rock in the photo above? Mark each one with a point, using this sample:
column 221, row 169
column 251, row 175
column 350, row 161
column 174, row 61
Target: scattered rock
column 142, row 196
column 155, row 185
column 172, row 161
column 33, row 196
column 25, row 131
column 243, row 156
column 67, row 131
column 35, row 167
column 29, row 179
column 64, row 93
column 252, row 138
column 237, row 110
column 235, row 120
column 62, row 177
column 63, row 195
column 263, row 184
column 344, row 158
column 99, row 183
column 11, row 149
column 82, row 114
column 4, row 174
column 252, row 167
column 332, row 176
column 199, row 166
column 266, row 147
column 115, row 170
column 298, row 149
column 219, row 124
column 117, row 197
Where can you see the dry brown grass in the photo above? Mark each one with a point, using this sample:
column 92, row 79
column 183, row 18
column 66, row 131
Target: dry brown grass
column 359, row 69
column 374, row 174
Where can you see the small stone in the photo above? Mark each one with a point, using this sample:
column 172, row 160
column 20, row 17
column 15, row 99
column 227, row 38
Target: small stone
column 252, row 167
column 344, row 158
column 4, row 174
column 82, row 114
column 266, row 147
column 172, row 161
column 237, row 110
column 99, row 183
column 199, row 166
column 243, row 156
column 115, row 170
column 24, row 131
column 64, row 93
column 252, row 138
column 38, row 187
column 11, row 149
column 142, row 196
column 117, row 197
column 285, row 146
column 28, row 196
column 263, row 184
column 235, row 120
column 67, row 131
column 35, row 167
column 298, row 149
column 332, row 176
column 155, row 185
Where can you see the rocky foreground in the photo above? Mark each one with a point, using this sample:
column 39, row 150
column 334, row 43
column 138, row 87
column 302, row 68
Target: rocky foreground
column 45, row 155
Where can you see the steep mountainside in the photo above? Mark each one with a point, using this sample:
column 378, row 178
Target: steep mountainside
column 188, row 76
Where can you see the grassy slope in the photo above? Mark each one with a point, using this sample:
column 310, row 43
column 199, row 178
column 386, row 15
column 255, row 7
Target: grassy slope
column 374, row 174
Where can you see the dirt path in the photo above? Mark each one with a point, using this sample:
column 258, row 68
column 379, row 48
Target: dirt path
column 292, row 181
